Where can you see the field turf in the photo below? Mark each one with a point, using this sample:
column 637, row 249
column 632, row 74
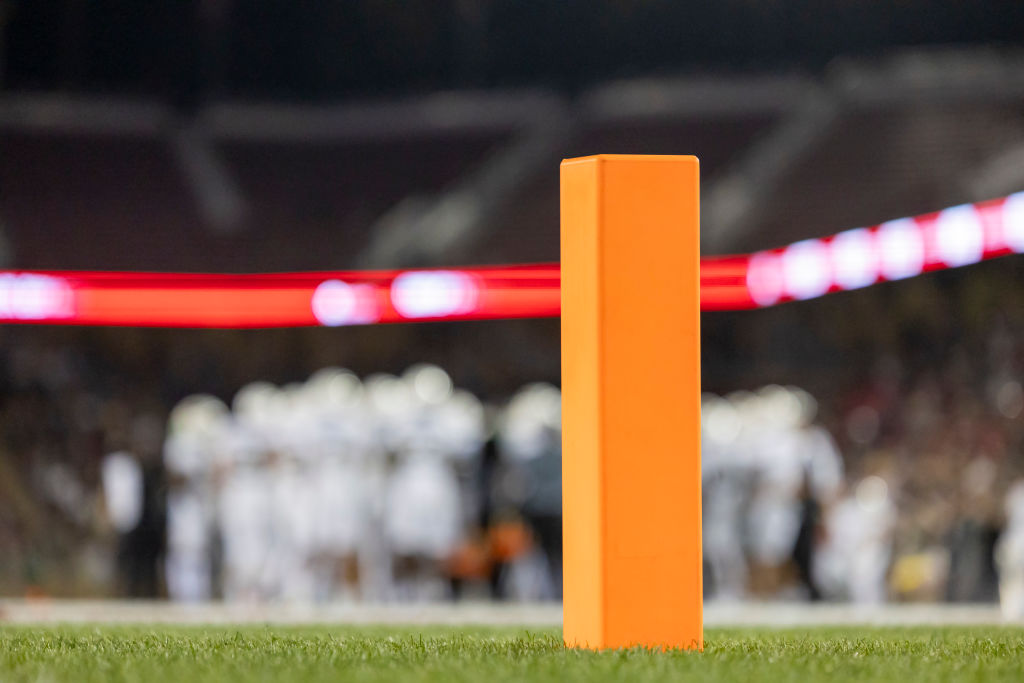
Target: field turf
column 193, row 654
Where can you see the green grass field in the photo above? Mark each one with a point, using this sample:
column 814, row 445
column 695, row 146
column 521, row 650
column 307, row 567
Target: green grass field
column 192, row 654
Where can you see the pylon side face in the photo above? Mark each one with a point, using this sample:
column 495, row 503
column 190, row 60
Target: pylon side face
column 631, row 402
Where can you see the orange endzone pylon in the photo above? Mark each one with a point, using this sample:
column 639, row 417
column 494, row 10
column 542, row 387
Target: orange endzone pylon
column 631, row 402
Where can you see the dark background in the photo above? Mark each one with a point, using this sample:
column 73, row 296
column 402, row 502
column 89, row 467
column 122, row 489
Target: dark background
column 115, row 200
column 326, row 50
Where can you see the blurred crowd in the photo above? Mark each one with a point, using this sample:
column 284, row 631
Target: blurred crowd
column 919, row 389
column 942, row 438
column 389, row 488
column 768, row 473
column 896, row 475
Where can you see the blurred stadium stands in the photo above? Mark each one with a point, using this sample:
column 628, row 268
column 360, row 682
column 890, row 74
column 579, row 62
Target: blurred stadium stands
column 916, row 381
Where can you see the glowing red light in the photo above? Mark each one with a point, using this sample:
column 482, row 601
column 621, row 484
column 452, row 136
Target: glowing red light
column 856, row 258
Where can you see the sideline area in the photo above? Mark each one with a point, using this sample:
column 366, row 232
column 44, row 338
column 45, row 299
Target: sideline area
column 773, row 614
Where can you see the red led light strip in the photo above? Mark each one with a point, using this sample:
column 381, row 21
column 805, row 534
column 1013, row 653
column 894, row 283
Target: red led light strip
column 898, row 249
